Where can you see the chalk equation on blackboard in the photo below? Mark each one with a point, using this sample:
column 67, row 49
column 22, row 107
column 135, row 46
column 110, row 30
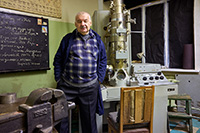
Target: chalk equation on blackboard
column 20, row 30
column 11, row 42
column 23, row 43
column 9, row 20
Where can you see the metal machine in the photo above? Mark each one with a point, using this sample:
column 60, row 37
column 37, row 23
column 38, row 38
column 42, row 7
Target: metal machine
column 38, row 113
column 118, row 50
column 114, row 27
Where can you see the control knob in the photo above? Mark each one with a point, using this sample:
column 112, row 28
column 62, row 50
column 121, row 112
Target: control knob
column 151, row 78
column 144, row 78
column 161, row 77
column 159, row 73
column 157, row 78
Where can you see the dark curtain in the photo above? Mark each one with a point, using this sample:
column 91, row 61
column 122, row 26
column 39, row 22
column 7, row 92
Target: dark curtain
column 180, row 29
column 154, row 38
column 180, row 32
column 136, row 38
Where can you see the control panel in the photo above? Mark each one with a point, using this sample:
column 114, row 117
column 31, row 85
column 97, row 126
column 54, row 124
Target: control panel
column 148, row 74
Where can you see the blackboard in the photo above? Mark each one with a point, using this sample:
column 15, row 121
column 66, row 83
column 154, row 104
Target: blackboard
column 24, row 43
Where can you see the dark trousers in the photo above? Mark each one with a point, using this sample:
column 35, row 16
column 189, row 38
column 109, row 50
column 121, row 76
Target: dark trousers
column 86, row 98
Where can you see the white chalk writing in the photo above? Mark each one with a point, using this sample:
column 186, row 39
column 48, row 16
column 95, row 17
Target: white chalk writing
column 20, row 42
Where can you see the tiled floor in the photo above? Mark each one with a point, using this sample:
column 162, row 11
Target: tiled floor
column 180, row 127
column 176, row 126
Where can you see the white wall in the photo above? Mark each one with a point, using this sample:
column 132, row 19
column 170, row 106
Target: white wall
column 71, row 7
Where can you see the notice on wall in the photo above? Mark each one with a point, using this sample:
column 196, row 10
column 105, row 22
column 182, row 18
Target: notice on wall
column 50, row 8
column 24, row 43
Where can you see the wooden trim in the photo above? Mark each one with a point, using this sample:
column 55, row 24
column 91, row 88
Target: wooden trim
column 151, row 123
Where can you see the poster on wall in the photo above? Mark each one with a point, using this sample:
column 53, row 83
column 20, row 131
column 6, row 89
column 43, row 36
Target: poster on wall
column 50, row 8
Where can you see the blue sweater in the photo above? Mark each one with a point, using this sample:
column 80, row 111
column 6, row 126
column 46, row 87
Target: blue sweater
column 62, row 54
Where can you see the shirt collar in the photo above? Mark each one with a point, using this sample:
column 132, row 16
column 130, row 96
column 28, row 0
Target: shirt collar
column 90, row 33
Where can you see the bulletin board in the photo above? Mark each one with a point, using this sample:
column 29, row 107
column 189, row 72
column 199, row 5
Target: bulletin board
column 24, row 43
column 50, row 8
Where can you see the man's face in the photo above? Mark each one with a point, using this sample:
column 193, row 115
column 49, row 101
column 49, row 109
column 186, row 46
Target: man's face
column 83, row 23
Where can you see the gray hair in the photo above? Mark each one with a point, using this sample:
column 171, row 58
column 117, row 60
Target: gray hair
column 82, row 12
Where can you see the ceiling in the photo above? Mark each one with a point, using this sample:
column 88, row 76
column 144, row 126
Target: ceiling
column 133, row 3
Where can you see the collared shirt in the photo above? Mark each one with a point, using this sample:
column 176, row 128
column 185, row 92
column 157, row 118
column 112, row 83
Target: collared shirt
column 81, row 66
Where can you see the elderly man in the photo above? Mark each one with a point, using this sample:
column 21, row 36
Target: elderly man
column 79, row 68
